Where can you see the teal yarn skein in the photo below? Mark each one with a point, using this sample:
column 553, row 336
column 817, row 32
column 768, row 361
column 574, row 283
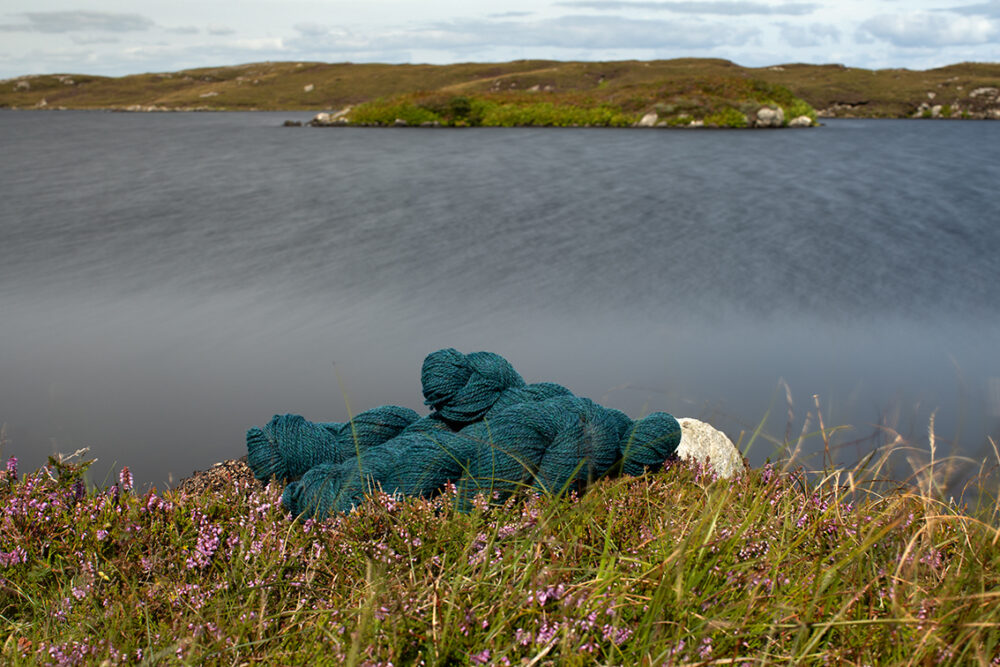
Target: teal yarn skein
column 290, row 445
column 461, row 388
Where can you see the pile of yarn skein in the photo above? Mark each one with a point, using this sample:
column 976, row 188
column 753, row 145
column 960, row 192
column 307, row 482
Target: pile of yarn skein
column 488, row 432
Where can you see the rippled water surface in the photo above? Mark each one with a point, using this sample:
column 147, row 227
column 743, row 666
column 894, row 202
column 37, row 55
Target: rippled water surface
column 167, row 281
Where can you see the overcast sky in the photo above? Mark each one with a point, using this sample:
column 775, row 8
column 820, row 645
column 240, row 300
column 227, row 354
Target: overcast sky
column 116, row 37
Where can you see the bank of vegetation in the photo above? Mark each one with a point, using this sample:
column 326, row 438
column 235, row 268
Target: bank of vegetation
column 966, row 90
column 777, row 567
column 714, row 102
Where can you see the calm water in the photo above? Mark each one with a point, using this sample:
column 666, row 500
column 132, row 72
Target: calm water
column 167, row 281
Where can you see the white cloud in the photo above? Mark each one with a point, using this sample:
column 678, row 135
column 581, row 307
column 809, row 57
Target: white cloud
column 816, row 34
column 220, row 30
column 79, row 21
column 923, row 29
column 991, row 8
column 696, row 7
column 570, row 32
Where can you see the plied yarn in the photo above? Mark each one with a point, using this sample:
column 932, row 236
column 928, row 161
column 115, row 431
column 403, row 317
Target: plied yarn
column 488, row 432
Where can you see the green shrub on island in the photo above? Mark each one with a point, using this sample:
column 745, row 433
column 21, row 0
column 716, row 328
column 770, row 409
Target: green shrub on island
column 798, row 108
column 728, row 117
column 381, row 112
column 547, row 114
column 463, row 111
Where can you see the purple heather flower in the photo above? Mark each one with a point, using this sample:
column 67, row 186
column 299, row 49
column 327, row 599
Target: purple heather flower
column 481, row 658
column 18, row 555
column 125, row 479
column 12, row 467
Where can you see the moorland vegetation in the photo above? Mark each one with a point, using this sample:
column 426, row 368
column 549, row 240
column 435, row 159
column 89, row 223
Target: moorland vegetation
column 565, row 92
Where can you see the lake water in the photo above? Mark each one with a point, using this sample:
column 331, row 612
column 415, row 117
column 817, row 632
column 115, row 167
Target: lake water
column 169, row 280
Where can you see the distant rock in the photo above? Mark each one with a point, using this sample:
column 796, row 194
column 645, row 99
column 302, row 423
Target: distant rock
column 326, row 119
column 800, row 121
column 706, row 444
column 770, row 117
column 308, row 88
column 293, row 123
column 399, row 122
column 649, row 120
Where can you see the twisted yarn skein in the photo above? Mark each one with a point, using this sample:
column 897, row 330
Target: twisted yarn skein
column 462, row 388
column 290, row 445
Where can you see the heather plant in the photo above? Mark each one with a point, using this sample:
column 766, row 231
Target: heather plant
column 677, row 567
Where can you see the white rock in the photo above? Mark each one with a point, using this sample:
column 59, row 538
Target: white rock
column 936, row 111
column 399, row 122
column 768, row 117
column 696, row 123
column 322, row 117
column 989, row 91
column 800, row 121
column 649, row 120
column 308, row 87
column 704, row 443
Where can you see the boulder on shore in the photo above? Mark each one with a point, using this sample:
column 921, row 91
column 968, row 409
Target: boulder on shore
column 649, row 120
column 770, row 117
column 708, row 445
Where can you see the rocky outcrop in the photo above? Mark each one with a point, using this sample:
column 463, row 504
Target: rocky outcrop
column 769, row 117
column 326, row 119
column 649, row 120
column 705, row 444
column 841, row 109
column 800, row 121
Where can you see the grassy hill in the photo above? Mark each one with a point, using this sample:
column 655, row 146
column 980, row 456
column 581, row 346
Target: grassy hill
column 963, row 90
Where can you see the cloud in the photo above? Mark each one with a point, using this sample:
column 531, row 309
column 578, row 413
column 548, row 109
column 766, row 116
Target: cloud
column 697, row 7
column 930, row 30
column 79, row 21
column 509, row 15
column 183, row 30
column 220, row 30
column 567, row 32
column 96, row 39
column 807, row 36
column 991, row 8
